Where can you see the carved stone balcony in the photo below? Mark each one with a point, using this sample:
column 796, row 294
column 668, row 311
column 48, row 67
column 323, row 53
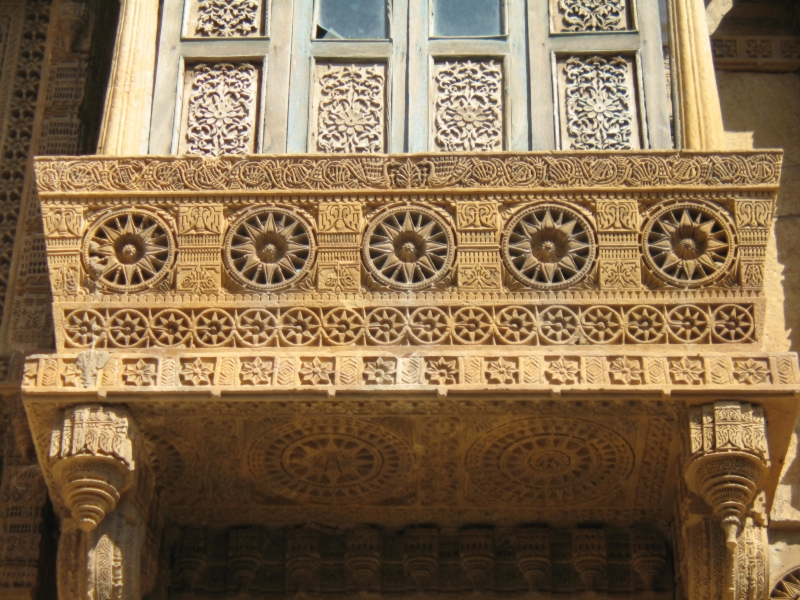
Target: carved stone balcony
column 412, row 322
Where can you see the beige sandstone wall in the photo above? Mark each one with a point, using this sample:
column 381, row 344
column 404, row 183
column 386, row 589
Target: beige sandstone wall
column 762, row 110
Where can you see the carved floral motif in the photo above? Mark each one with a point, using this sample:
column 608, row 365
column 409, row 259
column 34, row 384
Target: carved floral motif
column 408, row 248
column 268, row 249
column 351, row 112
column 687, row 244
column 384, row 326
column 598, row 103
column 227, row 18
column 221, row 109
column 469, row 106
column 548, row 246
column 129, row 250
column 331, row 461
column 549, row 461
column 592, row 15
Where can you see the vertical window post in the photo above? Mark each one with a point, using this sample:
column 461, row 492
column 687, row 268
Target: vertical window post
column 700, row 116
column 126, row 118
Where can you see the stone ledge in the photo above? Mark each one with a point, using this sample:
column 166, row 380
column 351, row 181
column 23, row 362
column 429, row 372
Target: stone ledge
column 352, row 173
column 439, row 370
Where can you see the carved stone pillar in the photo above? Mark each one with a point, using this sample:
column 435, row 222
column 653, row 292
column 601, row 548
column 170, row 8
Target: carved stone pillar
column 99, row 471
column 126, row 121
column 700, row 115
column 728, row 461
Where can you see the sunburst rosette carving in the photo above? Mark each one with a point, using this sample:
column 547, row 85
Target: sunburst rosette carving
column 269, row 249
column 688, row 244
column 409, row 248
column 549, row 247
column 331, row 461
column 549, row 461
column 128, row 250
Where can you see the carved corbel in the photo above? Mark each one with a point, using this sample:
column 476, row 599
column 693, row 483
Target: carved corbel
column 421, row 555
column 92, row 461
column 728, row 460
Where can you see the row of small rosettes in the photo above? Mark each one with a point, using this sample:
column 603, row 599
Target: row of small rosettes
column 545, row 246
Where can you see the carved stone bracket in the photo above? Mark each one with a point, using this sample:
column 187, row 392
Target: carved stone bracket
column 727, row 466
column 98, row 468
column 92, row 461
column 728, row 460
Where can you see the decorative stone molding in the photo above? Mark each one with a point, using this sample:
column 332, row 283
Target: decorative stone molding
column 559, row 170
column 756, row 53
column 91, row 460
column 376, row 369
column 728, row 460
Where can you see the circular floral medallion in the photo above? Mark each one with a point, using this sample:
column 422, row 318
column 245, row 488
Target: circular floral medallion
column 170, row 327
column 733, row 323
column 548, row 247
column 645, row 324
column 408, row 248
column 385, row 325
column 343, row 326
column 516, row 325
column 688, row 244
column 787, row 587
column 299, row 326
column 429, row 325
column 213, row 328
column 268, row 249
column 558, row 325
column 84, row 328
column 331, row 460
column 688, row 323
column 472, row 325
column 128, row 328
column 601, row 324
column 549, row 461
column 128, row 251
column 256, row 327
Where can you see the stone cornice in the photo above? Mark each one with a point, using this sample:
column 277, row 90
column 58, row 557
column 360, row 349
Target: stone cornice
column 377, row 371
column 314, row 173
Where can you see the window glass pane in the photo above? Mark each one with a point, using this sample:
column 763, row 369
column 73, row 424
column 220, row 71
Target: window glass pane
column 352, row 20
column 460, row 18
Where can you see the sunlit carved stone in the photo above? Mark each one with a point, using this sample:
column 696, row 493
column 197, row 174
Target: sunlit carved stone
column 728, row 460
column 469, row 106
column 91, row 457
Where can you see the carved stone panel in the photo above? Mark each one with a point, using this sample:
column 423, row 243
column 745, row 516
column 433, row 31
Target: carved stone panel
column 589, row 15
column 468, row 106
column 349, row 108
column 227, row 18
column 219, row 114
column 597, row 103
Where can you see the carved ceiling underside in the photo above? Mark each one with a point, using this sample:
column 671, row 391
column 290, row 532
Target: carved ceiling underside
column 403, row 461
